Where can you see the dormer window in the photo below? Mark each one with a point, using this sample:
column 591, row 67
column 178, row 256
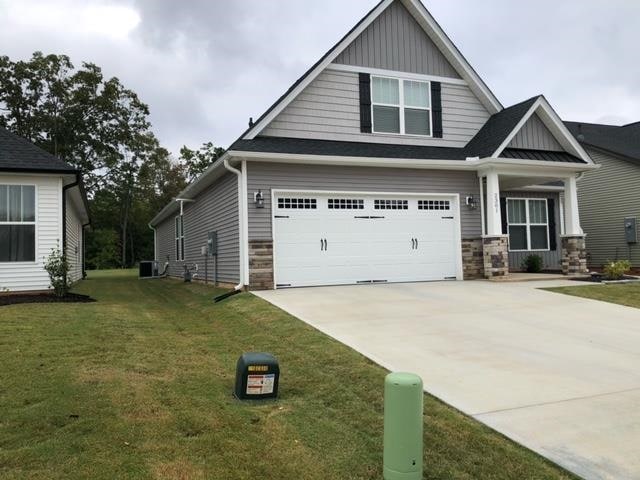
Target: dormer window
column 400, row 106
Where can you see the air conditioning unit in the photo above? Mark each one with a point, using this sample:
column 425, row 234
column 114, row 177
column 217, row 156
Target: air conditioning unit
column 149, row 269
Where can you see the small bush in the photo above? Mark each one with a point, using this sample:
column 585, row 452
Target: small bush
column 616, row 270
column 532, row 264
column 57, row 267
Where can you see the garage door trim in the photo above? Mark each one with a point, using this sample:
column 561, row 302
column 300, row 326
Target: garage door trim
column 454, row 197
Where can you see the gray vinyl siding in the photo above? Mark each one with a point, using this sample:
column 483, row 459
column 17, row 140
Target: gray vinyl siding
column 215, row 209
column 552, row 260
column 329, row 108
column 535, row 135
column 606, row 197
column 395, row 41
column 266, row 177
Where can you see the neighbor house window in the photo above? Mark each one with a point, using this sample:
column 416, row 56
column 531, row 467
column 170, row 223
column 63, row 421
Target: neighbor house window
column 17, row 223
column 528, row 224
column 179, row 238
column 400, row 106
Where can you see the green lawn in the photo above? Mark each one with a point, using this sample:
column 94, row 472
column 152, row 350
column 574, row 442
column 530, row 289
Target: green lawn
column 139, row 385
column 623, row 294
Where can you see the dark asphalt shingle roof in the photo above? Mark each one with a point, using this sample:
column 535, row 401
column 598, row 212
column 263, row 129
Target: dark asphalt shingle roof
column 303, row 146
column 20, row 155
column 623, row 140
column 545, row 155
column 497, row 128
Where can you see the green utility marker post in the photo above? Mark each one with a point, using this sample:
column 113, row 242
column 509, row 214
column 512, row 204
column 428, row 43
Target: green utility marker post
column 403, row 403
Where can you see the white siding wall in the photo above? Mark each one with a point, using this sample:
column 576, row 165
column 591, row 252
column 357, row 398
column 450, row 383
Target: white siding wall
column 74, row 242
column 25, row 276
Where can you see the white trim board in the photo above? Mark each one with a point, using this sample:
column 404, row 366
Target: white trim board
column 394, row 73
column 431, row 29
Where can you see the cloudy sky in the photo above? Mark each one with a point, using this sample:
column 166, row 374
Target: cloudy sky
column 205, row 66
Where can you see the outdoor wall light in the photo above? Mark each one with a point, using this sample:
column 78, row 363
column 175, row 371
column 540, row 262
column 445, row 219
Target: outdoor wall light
column 471, row 202
column 258, row 198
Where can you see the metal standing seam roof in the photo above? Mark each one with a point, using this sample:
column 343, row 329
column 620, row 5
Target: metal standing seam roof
column 18, row 154
column 621, row 140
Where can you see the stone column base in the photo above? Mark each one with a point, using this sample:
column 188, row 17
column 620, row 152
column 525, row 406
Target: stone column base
column 260, row 265
column 472, row 258
column 495, row 251
column 574, row 255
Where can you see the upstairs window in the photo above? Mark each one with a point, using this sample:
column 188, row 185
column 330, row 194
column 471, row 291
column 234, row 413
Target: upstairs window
column 528, row 224
column 400, row 106
column 17, row 223
column 179, row 238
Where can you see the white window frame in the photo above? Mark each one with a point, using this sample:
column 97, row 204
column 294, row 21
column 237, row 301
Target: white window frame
column 401, row 106
column 22, row 222
column 528, row 223
column 179, row 238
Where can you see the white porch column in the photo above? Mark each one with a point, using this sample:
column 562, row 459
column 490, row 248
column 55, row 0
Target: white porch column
column 571, row 213
column 494, row 220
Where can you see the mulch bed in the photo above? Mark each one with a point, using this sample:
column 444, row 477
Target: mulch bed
column 44, row 298
column 596, row 278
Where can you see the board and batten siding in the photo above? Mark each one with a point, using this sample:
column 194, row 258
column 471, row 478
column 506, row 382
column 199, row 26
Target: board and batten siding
column 395, row 41
column 606, row 197
column 73, row 246
column 329, row 109
column 535, row 135
column 552, row 260
column 31, row 276
column 273, row 176
column 215, row 209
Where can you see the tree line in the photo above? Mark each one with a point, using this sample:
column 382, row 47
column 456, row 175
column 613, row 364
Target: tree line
column 101, row 127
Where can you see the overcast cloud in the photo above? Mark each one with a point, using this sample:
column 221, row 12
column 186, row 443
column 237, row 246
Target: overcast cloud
column 204, row 67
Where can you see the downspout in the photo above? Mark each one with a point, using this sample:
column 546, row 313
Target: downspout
column 64, row 212
column 84, row 248
column 241, row 224
column 155, row 251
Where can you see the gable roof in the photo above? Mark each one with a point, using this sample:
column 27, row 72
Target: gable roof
column 18, row 154
column 497, row 129
column 431, row 28
column 624, row 140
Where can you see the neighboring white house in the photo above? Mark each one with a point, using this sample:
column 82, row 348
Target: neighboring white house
column 42, row 205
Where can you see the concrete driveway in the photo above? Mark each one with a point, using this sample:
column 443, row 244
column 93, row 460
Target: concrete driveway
column 558, row 374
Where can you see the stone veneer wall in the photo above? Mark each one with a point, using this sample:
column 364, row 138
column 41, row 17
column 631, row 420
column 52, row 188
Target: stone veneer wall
column 496, row 256
column 574, row 255
column 472, row 258
column 260, row 264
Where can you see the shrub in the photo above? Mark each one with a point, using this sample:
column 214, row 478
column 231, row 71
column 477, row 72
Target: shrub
column 57, row 267
column 532, row 264
column 616, row 270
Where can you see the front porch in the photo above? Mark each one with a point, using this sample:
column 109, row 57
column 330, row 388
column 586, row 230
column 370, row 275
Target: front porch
column 526, row 212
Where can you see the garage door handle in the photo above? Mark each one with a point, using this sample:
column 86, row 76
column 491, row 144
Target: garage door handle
column 413, row 244
column 325, row 244
column 417, row 244
column 321, row 244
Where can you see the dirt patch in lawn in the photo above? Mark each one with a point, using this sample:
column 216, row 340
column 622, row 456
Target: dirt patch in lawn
column 44, row 298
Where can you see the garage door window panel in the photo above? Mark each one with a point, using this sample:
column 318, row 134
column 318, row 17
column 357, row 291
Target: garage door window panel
column 528, row 224
column 297, row 203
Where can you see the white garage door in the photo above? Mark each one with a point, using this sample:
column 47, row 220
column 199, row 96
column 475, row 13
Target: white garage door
column 331, row 239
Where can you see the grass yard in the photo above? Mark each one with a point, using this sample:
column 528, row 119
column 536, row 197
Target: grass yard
column 139, row 386
column 623, row 294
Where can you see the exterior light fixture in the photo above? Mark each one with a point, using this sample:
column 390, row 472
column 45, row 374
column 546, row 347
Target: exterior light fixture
column 258, row 198
column 471, row 202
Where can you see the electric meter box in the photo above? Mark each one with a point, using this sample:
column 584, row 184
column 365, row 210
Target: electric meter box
column 257, row 376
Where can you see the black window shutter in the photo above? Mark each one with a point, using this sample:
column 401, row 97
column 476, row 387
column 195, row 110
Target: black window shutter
column 551, row 215
column 503, row 215
column 365, row 103
column 436, row 108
